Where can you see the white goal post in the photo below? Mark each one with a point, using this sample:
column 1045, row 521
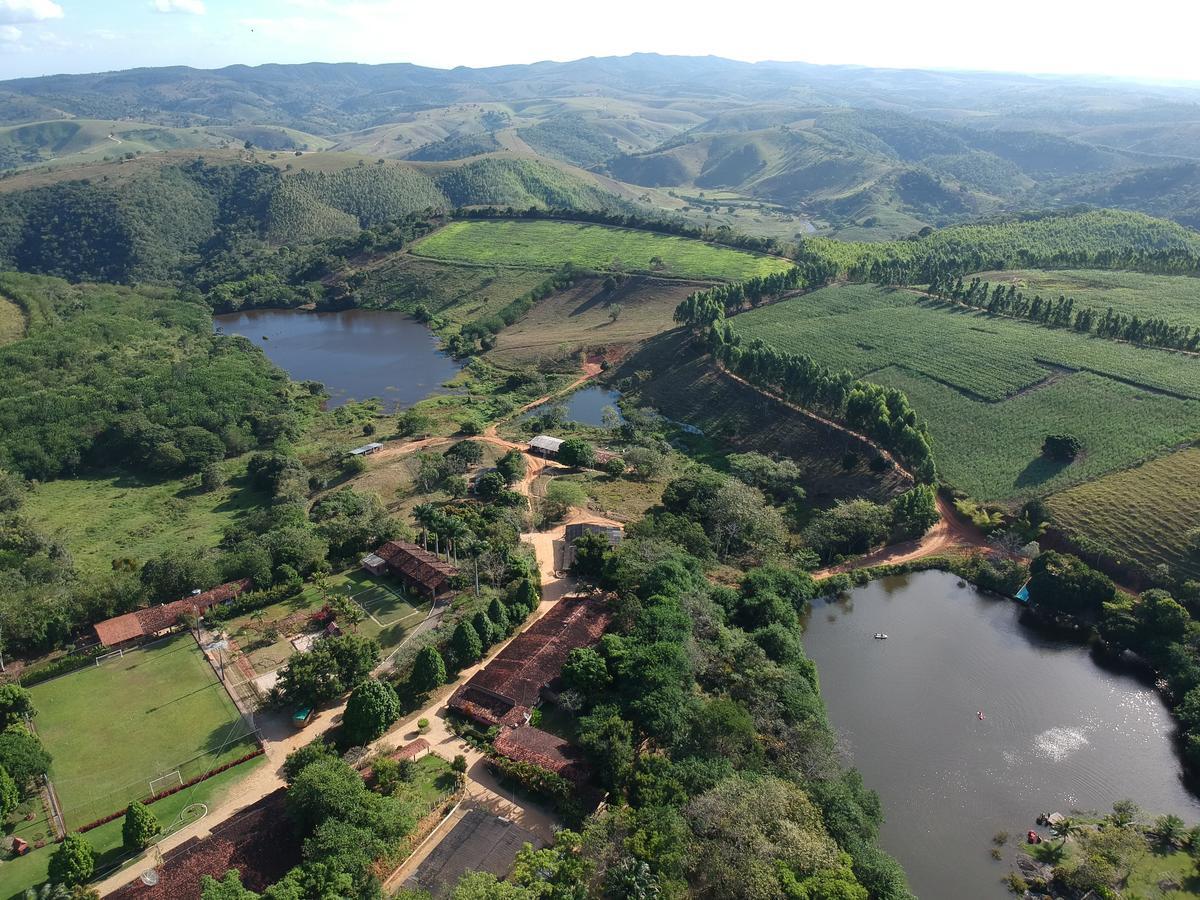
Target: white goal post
column 165, row 782
column 115, row 654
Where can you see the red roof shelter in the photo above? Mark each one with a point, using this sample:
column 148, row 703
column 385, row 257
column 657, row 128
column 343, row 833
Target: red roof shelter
column 154, row 620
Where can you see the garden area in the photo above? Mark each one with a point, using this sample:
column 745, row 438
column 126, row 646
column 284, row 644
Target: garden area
column 152, row 712
column 381, row 610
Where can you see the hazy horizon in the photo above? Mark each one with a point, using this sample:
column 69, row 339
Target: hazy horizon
column 47, row 37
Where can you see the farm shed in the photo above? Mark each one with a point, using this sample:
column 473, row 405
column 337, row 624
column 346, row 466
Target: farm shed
column 415, row 566
column 544, row 750
column 155, row 620
column 614, row 533
column 507, row 689
column 544, row 445
column 366, row 449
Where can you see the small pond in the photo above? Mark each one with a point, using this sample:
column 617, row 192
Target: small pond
column 355, row 353
column 585, row 406
column 1059, row 731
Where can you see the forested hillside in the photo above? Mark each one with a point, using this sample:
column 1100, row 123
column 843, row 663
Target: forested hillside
column 113, row 376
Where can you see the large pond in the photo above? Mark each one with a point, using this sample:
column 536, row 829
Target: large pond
column 1059, row 732
column 585, row 406
column 355, row 353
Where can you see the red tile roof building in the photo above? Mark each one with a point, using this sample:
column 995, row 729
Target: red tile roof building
column 154, row 620
column 414, row 565
column 544, row 750
column 507, row 689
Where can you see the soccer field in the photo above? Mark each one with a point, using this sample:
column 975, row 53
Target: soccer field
column 112, row 728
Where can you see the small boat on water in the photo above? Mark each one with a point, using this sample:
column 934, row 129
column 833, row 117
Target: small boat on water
column 880, row 636
column 981, row 715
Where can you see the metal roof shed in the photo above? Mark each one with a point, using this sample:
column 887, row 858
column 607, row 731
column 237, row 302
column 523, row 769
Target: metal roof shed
column 545, row 445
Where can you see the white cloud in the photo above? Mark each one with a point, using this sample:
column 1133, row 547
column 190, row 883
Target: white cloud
column 14, row 11
column 191, row 7
column 10, row 34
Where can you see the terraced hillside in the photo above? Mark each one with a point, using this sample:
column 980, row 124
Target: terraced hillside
column 549, row 244
column 991, row 389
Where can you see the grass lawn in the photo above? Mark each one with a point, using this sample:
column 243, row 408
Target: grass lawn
column 30, row 870
column 548, row 245
column 12, row 322
column 1175, row 298
column 113, row 727
column 109, row 515
column 1144, row 512
column 432, row 781
column 991, row 389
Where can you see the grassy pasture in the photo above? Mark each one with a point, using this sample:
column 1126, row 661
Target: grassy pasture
column 458, row 293
column 113, row 727
column 106, row 515
column 548, row 245
column 991, row 389
column 1175, row 298
column 1143, row 513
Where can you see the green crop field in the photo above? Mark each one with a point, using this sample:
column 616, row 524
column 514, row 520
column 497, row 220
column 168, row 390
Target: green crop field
column 108, row 515
column 151, row 711
column 991, row 389
column 1175, row 298
column 1143, row 513
column 548, row 245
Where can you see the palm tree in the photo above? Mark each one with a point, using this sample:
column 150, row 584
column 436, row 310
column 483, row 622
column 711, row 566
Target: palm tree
column 1065, row 829
column 1169, row 831
column 424, row 514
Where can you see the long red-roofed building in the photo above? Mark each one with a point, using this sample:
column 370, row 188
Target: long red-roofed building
column 154, row 620
column 507, row 689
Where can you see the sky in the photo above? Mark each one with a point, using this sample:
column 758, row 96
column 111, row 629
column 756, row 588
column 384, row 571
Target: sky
column 1152, row 40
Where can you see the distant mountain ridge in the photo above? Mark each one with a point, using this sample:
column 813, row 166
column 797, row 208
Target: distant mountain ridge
column 769, row 148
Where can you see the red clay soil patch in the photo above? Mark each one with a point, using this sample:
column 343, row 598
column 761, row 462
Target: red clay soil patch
column 259, row 842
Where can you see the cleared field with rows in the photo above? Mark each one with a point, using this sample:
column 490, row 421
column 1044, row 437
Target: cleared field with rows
column 1175, row 298
column 991, row 389
column 589, row 316
column 863, row 328
column 1143, row 513
column 548, row 245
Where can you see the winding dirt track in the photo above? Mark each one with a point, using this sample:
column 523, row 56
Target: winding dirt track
column 951, row 533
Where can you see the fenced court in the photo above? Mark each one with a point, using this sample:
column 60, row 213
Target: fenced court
column 384, row 604
column 134, row 724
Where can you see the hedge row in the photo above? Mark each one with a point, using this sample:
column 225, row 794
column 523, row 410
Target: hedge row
column 61, row 665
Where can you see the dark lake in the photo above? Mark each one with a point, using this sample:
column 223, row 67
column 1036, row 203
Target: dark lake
column 355, row 353
column 586, row 406
column 1059, row 733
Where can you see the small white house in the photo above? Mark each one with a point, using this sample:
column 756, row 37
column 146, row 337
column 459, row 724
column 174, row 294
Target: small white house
column 544, row 445
column 366, row 449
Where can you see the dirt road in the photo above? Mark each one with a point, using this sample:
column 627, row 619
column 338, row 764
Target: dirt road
column 280, row 739
column 950, row 533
